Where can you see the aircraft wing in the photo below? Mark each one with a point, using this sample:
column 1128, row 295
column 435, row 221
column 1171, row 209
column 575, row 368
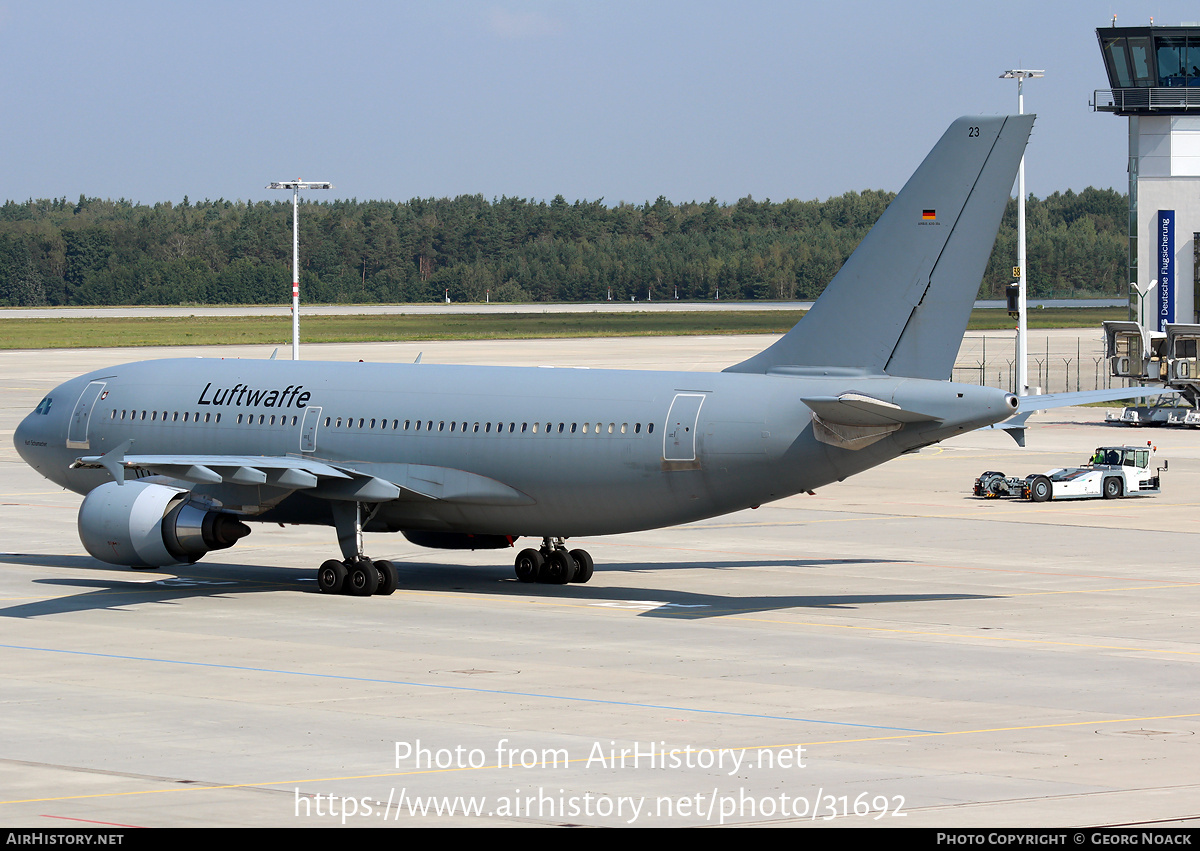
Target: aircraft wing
column 1028, row 405
column 321, row 479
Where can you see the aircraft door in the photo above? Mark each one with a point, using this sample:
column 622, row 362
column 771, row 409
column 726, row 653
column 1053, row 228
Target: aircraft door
column 679, row 437
column 77, row 431
column 308, row 430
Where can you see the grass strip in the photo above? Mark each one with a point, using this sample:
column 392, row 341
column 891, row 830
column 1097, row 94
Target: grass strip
column 74, row 333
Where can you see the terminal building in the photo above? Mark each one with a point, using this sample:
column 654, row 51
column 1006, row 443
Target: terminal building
column 1154, row 75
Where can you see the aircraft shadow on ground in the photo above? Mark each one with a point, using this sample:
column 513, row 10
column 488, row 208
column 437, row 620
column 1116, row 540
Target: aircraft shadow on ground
column 655, row 602
column 128, row 588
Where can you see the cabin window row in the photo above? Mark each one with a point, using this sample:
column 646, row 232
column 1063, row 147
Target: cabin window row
column 383, row 424
column 207, row 417
column 164, row 416
column 456, row 427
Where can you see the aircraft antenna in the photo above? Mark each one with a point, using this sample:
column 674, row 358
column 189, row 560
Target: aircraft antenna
column 296, row 185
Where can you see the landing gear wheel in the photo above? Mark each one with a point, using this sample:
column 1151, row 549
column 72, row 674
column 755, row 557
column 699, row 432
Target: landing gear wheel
column 388, row 579
column 583, row 566
column 362, row 579
column 331, row 576
column 1113, row 489
column 528, row 565
column 559, row 568
column 1040, row 489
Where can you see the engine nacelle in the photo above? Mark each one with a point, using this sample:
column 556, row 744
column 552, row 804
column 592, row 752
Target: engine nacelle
column 146, row 525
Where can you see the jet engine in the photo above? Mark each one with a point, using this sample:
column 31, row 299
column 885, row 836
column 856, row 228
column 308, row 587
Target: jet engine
column 146, row 525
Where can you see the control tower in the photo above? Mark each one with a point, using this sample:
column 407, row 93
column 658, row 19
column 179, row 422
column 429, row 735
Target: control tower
column 1154, row 74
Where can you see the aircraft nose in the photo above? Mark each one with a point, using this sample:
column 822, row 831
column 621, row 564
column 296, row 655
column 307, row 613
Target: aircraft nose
column 34, row 437
column 23, row 436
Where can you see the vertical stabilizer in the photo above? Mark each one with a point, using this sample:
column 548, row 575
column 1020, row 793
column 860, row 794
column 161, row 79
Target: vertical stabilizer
column 900, row 303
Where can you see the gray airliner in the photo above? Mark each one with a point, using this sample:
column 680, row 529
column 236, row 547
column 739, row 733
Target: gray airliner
column 176, row 457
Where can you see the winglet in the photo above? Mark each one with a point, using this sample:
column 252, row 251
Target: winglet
column 114, row 461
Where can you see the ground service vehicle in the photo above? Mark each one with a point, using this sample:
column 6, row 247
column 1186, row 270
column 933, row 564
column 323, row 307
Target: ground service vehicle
column 1111, row 473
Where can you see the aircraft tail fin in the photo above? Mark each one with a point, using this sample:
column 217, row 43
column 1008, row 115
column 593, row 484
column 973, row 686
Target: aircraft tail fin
column 900, row 303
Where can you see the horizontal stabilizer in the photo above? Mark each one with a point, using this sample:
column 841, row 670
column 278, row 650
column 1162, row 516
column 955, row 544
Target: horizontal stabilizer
column 859, row 410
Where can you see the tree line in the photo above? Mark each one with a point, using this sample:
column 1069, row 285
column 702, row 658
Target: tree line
column 101, row 252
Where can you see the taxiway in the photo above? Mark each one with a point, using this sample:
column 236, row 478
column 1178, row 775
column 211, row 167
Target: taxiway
column 942, row 661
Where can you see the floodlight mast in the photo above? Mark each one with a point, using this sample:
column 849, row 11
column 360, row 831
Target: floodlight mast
column 296, row 185
column 1021, row 75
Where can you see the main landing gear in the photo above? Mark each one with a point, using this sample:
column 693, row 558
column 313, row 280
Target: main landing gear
column 553, row 564
column 356, row 574
column 358, row 577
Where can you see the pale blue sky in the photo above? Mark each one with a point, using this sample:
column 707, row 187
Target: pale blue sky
column 621, row 100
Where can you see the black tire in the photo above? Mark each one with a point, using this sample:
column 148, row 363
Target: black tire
column 559, row 568
column 584, row 566
column 362, row 579
column 1113, row 488
column 1040, row 489
column 331, row 576
column 389, row 580
column 528, row 565
column 991, row 483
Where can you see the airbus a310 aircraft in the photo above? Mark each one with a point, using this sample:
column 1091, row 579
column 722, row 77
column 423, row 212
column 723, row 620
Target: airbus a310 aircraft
column 177, row 456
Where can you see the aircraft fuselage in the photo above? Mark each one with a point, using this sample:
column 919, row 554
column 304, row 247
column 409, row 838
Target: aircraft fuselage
column 475, row 456
column 586, row 451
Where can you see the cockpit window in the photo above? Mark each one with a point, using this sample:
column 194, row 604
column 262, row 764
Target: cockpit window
column 43, row 406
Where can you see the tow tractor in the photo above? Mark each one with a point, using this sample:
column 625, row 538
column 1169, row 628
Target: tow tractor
column 1111, row 473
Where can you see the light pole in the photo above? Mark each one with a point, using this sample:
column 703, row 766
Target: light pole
column 1142, row 292
column 1022, row 315
column 296, row 185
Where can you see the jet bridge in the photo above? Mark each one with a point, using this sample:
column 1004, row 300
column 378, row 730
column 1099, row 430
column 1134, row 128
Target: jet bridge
column 1169, row 356
column 1132, row 350
column 1181, row 363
